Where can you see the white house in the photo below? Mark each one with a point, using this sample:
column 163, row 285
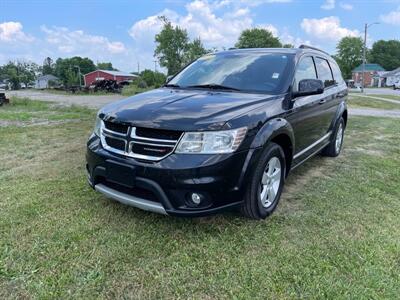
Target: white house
column 42, row 82
column 392, row 77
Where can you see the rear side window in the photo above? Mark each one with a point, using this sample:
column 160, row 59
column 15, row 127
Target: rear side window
column 337, row 74
column 324, row 71
column 305, row 70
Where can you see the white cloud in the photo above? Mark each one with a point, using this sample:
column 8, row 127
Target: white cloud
column 201, row 20
column 222, row 3
column 77, row 41
column 12, row 32
column 392, row 17
column 346, row 6
column 329, row 4
column 328, row 28
column 217, row 23
column 270, row 28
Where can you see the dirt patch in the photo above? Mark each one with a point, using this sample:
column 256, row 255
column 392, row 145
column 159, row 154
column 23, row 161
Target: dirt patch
column 66, row 100
column 35, row 122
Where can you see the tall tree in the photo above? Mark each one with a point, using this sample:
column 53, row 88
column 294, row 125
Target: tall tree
column 19, row 72
column 106, row 66
column 386, row 53
column 48, row 66
column 172, row 45
column 287, row 46
column 257, row 38
column 67, row 69
column 195, row 50
column 349, row 54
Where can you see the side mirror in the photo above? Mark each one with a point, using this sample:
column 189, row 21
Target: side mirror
column 309, row 87
column 169, row 77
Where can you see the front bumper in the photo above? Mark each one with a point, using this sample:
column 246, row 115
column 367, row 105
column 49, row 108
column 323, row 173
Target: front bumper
column 166, row 186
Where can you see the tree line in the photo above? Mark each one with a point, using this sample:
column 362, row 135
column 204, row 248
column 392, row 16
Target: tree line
column 349, row 54
column 174, row 50
column 69, row 72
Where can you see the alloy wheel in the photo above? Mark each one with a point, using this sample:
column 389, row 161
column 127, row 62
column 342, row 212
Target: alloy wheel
column 339, row 138
column 270, row 182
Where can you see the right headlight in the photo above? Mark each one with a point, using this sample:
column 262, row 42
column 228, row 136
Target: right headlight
column 97, row 126
column 211, row 142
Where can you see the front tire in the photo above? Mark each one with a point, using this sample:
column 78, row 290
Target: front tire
column 266, row 184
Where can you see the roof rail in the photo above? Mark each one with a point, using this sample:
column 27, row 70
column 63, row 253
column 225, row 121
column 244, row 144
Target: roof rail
column 312, row 48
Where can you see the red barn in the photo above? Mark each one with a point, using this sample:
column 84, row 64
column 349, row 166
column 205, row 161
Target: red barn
column 105, row 74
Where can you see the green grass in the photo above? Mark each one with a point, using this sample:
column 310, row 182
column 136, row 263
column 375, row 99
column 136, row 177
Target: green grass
column 335, row 234
column 26, row 111
column 391, row 97
column 359, row 101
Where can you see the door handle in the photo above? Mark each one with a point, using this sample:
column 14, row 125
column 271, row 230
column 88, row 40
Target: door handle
column 322, row 101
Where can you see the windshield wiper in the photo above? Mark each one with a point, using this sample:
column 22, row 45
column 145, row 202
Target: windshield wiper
column 172, row 85
column 213, row 86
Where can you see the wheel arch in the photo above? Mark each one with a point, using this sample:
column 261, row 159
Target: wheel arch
column 344, row 115
column 340, row 112
column 279, row 131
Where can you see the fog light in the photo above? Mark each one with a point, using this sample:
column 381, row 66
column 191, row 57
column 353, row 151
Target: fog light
column 196, row 198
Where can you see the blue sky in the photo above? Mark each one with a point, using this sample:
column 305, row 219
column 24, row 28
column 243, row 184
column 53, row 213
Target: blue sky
column 123, row 31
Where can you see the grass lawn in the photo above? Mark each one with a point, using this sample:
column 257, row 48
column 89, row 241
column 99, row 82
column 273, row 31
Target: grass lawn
column 391, row 97
column 336, row 233
column 359, row 101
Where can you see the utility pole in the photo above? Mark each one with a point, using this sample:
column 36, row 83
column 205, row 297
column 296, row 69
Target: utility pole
column 364, row 58
column 138, row 68
column 365, row 54
column 155, row 65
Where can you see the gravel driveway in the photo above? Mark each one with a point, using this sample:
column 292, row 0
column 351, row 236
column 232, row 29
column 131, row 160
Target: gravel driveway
column 99, row 101
column 92, row 101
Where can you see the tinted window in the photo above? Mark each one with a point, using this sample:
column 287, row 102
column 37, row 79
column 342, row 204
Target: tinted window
column 260, row 72
column 324, row 71
column 305, row 70
column 337, row 74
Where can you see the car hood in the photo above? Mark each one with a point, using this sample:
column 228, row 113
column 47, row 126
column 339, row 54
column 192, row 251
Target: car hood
column 181, row 109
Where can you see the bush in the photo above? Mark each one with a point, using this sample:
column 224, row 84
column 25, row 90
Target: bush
column 134, row 88
column 152, row 78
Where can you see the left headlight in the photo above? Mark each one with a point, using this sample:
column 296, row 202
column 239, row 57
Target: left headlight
column 211, row 142
column 97, row 126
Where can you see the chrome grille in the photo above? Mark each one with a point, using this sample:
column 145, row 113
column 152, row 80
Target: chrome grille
column 137, row 142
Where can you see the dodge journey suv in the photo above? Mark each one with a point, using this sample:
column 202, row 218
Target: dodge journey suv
column 222, row 133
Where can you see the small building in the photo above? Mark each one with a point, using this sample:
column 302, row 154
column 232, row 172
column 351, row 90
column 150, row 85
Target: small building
column 392, row 77
column 372, row 76
column 46, row 81
column 107, row 75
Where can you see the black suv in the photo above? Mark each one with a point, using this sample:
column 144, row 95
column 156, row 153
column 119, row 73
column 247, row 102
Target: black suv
column 222, row 133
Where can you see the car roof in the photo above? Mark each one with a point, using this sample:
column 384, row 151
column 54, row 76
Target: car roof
column 294, row 51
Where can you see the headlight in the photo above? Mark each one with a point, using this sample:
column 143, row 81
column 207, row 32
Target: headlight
column 211, row 142
column 97, row 126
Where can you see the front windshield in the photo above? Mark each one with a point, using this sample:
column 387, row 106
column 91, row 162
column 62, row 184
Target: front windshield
column 250, row 72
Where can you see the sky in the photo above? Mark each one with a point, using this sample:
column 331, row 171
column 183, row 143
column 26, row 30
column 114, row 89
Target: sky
column 122, row 31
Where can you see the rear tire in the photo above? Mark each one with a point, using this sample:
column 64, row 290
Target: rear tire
column 265, row 187
column 335, row 146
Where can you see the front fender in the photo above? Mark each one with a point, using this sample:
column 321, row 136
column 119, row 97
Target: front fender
column 271, row 129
